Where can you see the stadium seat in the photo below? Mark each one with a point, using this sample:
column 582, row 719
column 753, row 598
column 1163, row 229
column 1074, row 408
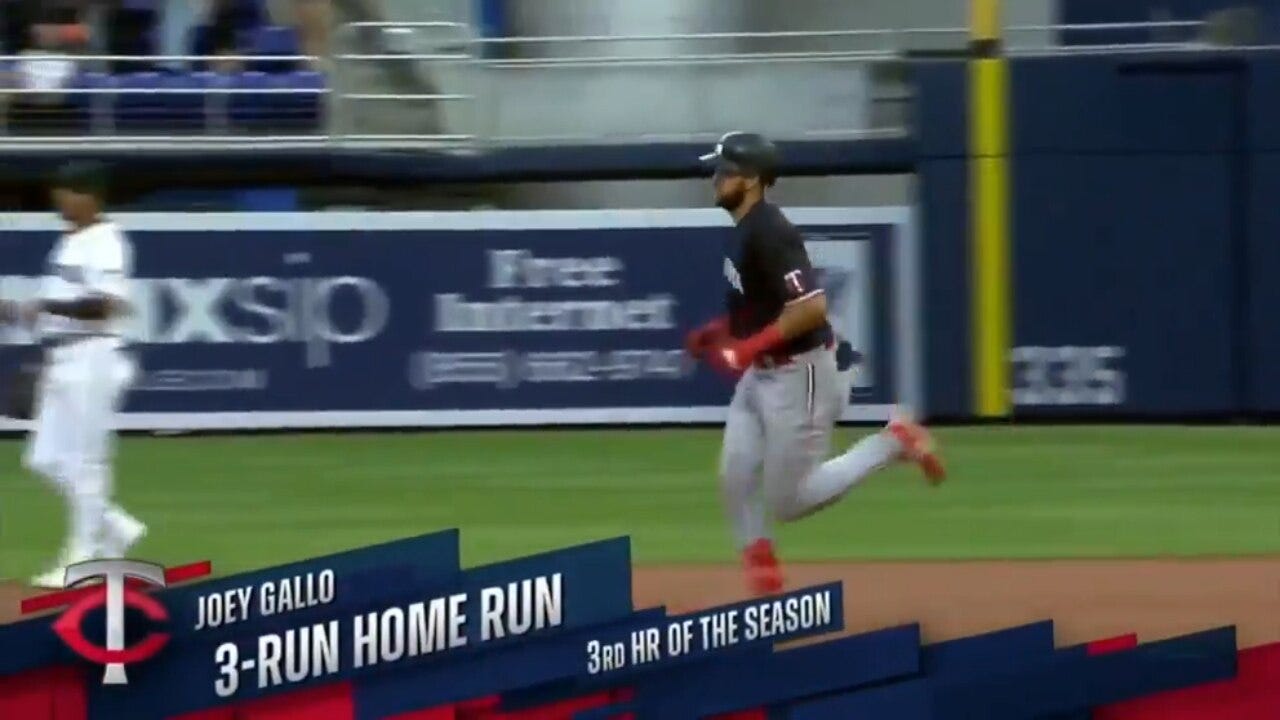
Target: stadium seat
column 251, row 107
column 271, row 40
column 91, row 81
column 138, row 107
column 187, row 103
column 69, row 113
column 274, row 103
column 298, row 111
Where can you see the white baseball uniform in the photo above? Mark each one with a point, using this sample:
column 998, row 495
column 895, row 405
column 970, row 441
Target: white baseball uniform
column 86, row 373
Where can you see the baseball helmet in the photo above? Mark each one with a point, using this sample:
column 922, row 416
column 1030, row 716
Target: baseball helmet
column 85, row 176
column 745, row 153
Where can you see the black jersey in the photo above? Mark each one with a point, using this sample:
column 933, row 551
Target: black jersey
column 767, row 268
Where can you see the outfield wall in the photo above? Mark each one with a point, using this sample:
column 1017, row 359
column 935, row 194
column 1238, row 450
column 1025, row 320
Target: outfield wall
column 296, row 320
column 1145, row 235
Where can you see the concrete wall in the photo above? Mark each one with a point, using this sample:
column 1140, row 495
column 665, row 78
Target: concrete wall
column 786, row 100
column 794, row 100
column 580, row 17
column 661, row 101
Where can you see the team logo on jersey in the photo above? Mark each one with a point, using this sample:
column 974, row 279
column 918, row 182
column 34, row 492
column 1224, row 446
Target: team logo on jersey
column 795, row 282
column 731, row 274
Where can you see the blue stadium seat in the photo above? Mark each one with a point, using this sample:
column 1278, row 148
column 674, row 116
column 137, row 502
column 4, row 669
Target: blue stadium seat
column 269, row 110
column 273, row 40
column 92, row 81
column 250, row 110
column 299, row 111
column 138, row 107
column 184, row 106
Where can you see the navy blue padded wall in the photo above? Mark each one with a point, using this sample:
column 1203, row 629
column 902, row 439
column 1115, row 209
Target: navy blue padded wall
column 1264, row 233
column 1127, row 229
column 941, row 129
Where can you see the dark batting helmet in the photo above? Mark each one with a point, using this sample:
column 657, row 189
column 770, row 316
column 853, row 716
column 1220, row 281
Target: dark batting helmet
column 87, row 176
column 745, row 153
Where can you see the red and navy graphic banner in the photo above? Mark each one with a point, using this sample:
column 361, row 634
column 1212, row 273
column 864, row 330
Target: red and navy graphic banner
column 396, row 629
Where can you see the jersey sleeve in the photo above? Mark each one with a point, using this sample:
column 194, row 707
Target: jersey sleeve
column 789, row 272
column 107, row 263
column 61, row 272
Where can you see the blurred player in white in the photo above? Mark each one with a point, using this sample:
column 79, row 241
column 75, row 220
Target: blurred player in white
column 79, row 319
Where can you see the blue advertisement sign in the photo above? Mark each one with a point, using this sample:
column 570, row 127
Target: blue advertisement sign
column 291, row 320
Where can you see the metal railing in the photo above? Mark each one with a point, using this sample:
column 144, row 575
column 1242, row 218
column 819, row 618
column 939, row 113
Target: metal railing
column 494, row 78
column 446, row 88
column 1167, row 35
column 415, row 74
column 490, row 72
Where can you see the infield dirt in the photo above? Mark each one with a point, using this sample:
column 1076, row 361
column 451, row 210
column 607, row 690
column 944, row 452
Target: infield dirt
column 1086, row 599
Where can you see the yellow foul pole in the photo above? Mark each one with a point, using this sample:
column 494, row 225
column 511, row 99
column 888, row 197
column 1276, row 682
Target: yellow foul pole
column 991, row 313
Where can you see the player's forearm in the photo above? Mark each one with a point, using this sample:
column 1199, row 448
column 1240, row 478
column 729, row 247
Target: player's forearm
column 86, row 308
column 796, row 319
column 800, row 317
column 79, row 309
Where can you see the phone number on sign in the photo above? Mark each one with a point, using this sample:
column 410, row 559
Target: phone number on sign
column 511, row 368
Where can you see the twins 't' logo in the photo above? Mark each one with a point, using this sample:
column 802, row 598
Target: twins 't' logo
column 731, row 274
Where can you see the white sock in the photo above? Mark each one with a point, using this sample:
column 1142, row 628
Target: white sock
column 832, row 479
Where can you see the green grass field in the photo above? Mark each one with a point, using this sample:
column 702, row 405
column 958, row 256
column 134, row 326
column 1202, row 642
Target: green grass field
column 254, row 501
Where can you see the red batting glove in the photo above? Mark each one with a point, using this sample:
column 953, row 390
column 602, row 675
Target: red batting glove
column 739, row 354
column 701, row 340
column 715, row 359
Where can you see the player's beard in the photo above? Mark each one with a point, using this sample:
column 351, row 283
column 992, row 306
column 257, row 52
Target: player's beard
column 731, row 200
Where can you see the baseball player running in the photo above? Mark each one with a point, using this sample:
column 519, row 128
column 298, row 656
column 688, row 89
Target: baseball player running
column 776, row 339
column 78, row 318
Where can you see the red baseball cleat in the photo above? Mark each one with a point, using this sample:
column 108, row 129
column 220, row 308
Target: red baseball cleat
column 917, row 447
column 764, row 576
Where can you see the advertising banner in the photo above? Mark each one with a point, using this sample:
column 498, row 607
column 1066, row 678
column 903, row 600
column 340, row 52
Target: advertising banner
column 313, row 320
